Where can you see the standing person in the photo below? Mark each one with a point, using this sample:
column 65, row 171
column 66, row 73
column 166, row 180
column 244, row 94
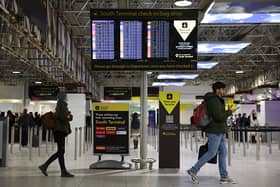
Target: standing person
column 61, row 130
column 216, row 131
column 254, row 123
column 135, row 126
column 23, row 124
column 12, row 120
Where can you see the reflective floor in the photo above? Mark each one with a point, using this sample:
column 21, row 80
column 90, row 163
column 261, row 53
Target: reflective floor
column 246, row 171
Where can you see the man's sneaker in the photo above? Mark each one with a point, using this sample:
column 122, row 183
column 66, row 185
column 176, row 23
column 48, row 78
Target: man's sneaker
column 226, row 180
column 193, row 176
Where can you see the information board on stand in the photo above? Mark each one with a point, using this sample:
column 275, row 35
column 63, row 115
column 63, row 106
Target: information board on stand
column 143, row 39
column 169, row 130
column 111, row 128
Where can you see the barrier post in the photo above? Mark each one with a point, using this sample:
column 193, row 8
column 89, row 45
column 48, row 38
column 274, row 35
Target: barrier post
column 40, row 140
column 233, row 142
column 239, row 132
column 244, row 143
column 258, row 146
column 248, row 138
column 30, row 137
column 76, row 144
column 196, row 141
column 47, row 140
column 191, row 140
column 52, row 140
column 229, row 147
column 20, row 138
column 84, row 139
column 270, row 142
column 279, row 140
column 80, row 141
column 12, row 138
column 185, row 136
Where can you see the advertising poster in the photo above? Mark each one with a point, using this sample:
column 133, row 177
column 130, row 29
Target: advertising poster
column 169, row 130
column 111, row 128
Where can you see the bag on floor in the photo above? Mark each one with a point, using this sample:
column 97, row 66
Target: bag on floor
column 202, row 150
column 47, row 120
column 35, row 141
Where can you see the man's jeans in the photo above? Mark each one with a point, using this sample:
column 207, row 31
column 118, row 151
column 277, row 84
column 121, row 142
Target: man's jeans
column 216, row 144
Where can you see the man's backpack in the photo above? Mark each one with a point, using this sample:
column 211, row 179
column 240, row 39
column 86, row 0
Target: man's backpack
column 200, row 116
column 48, row 121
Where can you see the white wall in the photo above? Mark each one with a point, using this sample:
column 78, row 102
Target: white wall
column 246, row 108
column 262, row 114
column 77, row 106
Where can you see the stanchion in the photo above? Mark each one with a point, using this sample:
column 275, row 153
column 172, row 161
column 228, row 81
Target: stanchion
column 233, row 142
column 30, row 137
column 52, row 140
column 87, row 138
column 20, row 138
column 40, row 140
column 196, row 141
column 191, row 136
column 248, row 138
column 244, row 143
column 84, row 138
column 229, row 147
column 76, row 143
column 270, row 142
column 12, row 138
column 47, row 140
column 279, row 140
column 258, row 146
column 186, row 141
column 80, row 141
column 239, row 136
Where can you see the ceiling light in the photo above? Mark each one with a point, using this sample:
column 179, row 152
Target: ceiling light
column 239, row 72
column 183, row 3
column 168, row 83
column 177, row 76
column 16, row 72
column 38, row 82
column 206, row 64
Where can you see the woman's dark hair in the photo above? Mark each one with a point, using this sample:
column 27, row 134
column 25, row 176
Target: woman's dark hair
column 218, row 85
column 135, row 115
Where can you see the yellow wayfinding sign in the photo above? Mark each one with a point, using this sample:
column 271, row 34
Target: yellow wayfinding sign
column 169, row 100
column 110, row 107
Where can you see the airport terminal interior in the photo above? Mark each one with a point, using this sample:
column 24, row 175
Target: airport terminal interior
column 132, row 77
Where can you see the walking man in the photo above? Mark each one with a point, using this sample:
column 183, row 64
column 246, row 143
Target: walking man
column 216, row 131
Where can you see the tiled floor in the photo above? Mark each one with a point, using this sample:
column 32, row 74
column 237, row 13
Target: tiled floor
column 245, row 170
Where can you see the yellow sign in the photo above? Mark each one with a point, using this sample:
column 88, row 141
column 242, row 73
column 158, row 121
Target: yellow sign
column 230, row 104
column 110, row 107
column 169, row 100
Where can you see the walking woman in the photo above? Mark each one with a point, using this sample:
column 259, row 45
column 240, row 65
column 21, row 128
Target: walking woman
column 61, row 130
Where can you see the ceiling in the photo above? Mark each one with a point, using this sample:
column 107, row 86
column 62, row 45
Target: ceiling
column 261, row 55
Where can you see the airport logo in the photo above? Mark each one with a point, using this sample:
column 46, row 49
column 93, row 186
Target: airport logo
column 184, row 27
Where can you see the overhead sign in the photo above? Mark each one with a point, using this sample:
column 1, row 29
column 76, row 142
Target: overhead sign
column 143, row 39
column 43, row 93
column 111, row 129
column 169, row 130
column 117, row 93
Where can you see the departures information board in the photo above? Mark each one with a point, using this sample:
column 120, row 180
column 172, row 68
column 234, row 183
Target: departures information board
column 146, row 39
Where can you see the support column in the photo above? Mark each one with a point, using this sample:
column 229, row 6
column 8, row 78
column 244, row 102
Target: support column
column 143, row 104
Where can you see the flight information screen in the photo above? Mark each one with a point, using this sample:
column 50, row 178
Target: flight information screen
column 103, row 41
column 158, row 39
column 131, row 40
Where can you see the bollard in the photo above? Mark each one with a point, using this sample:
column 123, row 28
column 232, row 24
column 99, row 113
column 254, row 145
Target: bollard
column 279, row 140
column 258, row 146
column 270, row 143
column 229, row 147
column 233, row 142
column 196, row 141
column 80, row 141
column 76, row 143
column 84, row 145
column 244, row 144
column 40, row 140
column 47, row 140
column 30, row 136
column 12, row 138
column 20, row 138
column 52, row 140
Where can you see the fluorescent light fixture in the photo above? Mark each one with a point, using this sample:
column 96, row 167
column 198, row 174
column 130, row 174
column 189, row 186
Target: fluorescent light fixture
column 221, row 47
column 177, row 76
column 206, row 64
column 38, row 82
column 239, row 72
column 16, row 72
column 149, row 73
column 183, row 3
column 168, row 83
